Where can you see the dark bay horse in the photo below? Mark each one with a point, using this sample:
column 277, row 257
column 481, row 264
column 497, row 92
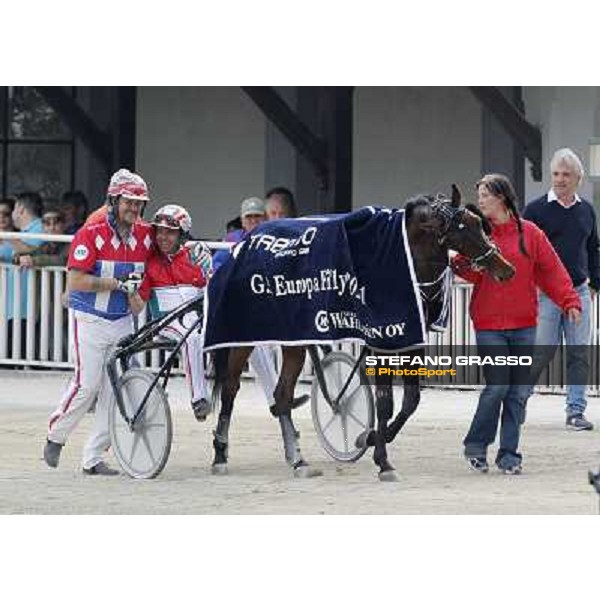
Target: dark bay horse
column 434, row 225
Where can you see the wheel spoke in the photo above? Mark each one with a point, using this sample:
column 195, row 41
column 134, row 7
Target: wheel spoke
column 333, row 417
column 350, row 397
column 344, row 432
column 147, row 444
column 151, row 405
column 136, row 441
column 356, row 419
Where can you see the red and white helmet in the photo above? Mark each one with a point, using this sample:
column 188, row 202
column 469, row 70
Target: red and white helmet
column 126, row 184
column 173, row 216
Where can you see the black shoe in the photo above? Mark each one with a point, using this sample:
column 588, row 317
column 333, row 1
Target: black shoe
column 202, row 408
column 300, row 401
column 100, row 468
column 478, row 464
column 52, row 452
column 579, row 423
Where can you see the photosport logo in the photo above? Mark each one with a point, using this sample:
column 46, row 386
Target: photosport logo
column 400, row 366
column 463, row 366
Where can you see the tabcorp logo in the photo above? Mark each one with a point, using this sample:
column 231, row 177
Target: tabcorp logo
column 282, row 246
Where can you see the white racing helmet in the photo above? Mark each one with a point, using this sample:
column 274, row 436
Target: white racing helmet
column 174, row 216
column 125, row 184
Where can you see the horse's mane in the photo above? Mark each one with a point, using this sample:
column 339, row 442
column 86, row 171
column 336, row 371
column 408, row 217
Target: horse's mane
column 421, row 205
column 416, row 202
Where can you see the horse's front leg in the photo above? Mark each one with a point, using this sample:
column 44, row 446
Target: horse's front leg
column 384, row 400
column 293, row 361
column 410, row 401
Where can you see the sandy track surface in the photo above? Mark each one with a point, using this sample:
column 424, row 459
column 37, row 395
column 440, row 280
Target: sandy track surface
column 434, row 478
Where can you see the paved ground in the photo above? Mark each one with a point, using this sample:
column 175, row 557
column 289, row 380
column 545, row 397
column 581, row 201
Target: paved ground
column 433, row 476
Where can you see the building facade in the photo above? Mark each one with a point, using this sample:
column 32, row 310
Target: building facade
column 209, row 147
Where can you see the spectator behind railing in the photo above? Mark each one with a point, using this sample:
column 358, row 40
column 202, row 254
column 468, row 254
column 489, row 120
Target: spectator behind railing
column 280, row 204
column 74, row 207
column 6, row 224
column 49, row 254
column 26, row 217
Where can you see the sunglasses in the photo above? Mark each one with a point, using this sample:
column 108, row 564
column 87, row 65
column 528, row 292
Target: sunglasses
column 166, row 221
column 5, row 213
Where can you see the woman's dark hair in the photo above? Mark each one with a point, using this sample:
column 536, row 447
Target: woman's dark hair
column 500, row 185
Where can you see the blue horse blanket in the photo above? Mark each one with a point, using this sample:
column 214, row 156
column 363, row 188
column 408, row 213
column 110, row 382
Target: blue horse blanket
column 316, row 280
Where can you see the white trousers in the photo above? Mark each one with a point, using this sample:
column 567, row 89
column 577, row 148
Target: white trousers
column 93, row 339
column 191, row 354
column 262, row 361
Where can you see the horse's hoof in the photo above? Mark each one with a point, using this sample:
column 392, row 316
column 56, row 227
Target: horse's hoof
column 219, row 469
column 306, row 472
column 362, row 441
column 388, row 476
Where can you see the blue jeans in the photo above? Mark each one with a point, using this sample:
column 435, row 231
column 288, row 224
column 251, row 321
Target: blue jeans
column 552, row 325
column 506, row 392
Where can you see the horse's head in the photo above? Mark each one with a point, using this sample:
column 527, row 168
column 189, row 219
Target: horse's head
column 459, row 229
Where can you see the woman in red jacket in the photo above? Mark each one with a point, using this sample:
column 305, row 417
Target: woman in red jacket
column 505, row 316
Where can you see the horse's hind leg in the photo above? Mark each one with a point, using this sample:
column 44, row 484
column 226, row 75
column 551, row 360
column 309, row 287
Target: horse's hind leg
column 410, row 401
column 385, row 408
column 293, row 360
column 231, row 385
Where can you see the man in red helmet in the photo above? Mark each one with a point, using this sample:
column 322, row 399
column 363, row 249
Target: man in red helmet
column 175, row 274
column 105, row 266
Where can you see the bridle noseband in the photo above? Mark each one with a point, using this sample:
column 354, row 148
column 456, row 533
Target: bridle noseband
column 451, row 216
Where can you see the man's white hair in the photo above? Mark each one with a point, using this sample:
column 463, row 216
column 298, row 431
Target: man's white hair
column 566, row 156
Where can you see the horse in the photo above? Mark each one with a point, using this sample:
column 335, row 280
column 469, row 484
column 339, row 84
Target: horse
column 434, row 225
column 452, row 228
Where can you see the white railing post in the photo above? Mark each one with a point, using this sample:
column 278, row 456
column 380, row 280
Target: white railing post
column 44, row 314
column 31, row 277
column 16, row 329
column 57, row 317
column 3, row 310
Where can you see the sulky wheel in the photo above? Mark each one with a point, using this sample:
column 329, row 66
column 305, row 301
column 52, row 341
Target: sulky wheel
column 337, row 426
column 143, row 452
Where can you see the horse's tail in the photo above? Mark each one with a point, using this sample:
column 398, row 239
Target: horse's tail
column 220, row 359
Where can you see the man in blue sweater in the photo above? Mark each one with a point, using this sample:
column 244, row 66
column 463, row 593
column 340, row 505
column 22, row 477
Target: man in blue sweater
column 570, row 224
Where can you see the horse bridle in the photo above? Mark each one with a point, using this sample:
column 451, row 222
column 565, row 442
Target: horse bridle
column 451, row 214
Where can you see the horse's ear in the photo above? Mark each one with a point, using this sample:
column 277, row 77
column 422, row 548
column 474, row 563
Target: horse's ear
column 456, row 196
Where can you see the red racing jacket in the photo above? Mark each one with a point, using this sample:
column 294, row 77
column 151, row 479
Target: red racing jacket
column 169, row 281
column 513, row 304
